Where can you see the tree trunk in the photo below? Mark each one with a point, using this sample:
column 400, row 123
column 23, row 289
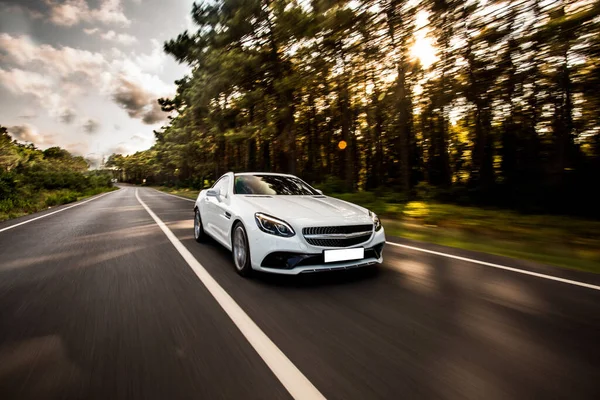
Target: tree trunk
column 347, row 167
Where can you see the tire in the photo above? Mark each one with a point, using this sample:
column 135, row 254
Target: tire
column 199, row 234
column 240, row 249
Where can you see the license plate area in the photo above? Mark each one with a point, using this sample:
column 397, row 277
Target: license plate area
column 344, row 254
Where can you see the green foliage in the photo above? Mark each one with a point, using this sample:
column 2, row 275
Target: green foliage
column 7, row 184
column 32, row 179
column 425, row 191
column 418, row 210
column 332, row 184
column 61, row 197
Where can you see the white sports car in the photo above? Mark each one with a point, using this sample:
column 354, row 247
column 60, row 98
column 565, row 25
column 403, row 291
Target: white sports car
column 278, row 223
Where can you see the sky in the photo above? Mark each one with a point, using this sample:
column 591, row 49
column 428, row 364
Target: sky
column 85, row 74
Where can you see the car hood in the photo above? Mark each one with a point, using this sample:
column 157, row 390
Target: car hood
column 309, row 209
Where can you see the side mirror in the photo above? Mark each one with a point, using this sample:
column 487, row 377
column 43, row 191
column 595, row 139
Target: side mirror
column 212, row 193
column 319, row 191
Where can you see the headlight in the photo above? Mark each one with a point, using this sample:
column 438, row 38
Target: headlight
column 376, row 220
column 272, row 225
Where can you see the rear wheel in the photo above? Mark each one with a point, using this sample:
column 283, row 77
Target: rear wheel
column 241, row 251
column 199, row 234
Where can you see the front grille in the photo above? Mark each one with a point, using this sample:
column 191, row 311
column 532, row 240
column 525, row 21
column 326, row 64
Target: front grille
column 326, row 230
column 338, row 242
column 337, row 236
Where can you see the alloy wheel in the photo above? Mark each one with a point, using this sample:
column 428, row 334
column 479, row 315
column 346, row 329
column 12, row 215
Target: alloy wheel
column 239, row 248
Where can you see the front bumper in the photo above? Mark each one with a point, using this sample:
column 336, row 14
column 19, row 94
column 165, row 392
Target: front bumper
column 293, row 256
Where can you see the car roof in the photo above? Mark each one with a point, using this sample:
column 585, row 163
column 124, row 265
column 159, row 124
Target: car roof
column 261, row 173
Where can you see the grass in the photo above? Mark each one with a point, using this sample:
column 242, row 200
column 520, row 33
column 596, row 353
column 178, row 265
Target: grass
column 187, row 193
column 555, row 240
column 43, row 200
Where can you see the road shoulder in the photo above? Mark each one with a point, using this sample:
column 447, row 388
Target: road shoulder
column 525, row 265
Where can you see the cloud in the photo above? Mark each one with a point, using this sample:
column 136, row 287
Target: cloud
column 131, row 97
column 121, row 38
column 19, row 81
column 79, row 148
column 41, row 87
column 91, row 126
column 20, row 9
column 67, row 116
column 21, row 51
column 154, row 115
column 120, row 148
column 68, row 13
column 138, row 103
column 94, row 160
column 137, row 138
column 73, row 12
column 112, row 36
column 153, row 62
column 29, row 133
column 111, row 11
column 56, row 76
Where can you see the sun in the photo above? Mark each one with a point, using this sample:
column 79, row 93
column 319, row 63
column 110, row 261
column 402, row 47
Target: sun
column 423, row 48
column 424, row 51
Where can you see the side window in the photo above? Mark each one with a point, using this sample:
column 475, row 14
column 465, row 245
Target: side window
column 223, row 186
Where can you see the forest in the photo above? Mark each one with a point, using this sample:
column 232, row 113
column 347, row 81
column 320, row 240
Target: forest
column 32, row 179
column 492, row 103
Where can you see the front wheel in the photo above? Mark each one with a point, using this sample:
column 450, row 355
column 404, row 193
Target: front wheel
column 199, row 233
column 241, row 251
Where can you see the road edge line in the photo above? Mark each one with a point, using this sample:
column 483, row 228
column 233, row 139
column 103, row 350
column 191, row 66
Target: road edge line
column 57, row 211
column 174, row 195
column 504, row 267
column 288, row 374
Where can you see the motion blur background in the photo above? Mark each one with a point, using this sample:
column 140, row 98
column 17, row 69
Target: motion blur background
column 476, row 101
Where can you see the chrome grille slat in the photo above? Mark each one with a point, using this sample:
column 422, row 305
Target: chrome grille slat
column 337, row 236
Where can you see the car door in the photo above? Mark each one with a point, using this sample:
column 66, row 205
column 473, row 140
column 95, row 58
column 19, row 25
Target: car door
column 210, row 207
column 222, row 207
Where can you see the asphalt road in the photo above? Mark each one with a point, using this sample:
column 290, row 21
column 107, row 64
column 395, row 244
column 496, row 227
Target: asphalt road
column 97, row 303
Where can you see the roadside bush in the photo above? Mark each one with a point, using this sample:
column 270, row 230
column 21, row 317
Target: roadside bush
column 6, row 205
column 359, row 197
column 96, row 179
column 32, row 179
column 425, row 191
column 417, row 210
column 7, row 184
column 62, row 197
column 332, row 184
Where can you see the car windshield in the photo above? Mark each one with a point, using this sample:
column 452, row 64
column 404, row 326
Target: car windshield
column 272, row 185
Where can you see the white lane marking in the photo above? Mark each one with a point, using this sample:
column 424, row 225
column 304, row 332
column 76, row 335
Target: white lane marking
column 521, row 271
column 288, row 374
column 57, row 211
